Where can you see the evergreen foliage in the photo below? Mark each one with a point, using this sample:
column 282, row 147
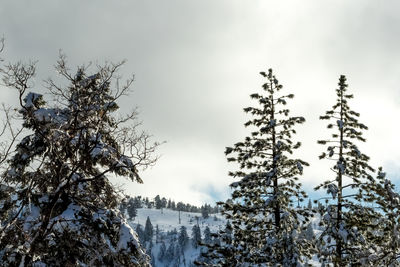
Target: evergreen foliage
column 60, row 207
column 264, row 221
column 384, row 247
column 309, row 205
column 123, row 205
column 161, row 202
column 162, row 252
column 131, row 209
column 140, row 233
column 205, row 211
column 157, row 234
column 228, row 232
column 170, row 254
column 207, row 236
column 137, row 202
column 158, row 202
column 148, row 230
column 348, row 220
column 183, row 237
column 196, row 236
column 178, row 253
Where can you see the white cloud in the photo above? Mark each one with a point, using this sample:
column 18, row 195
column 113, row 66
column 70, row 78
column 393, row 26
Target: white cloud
column 197, row 62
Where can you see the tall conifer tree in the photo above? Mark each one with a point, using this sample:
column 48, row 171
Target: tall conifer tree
column 264, row 220
column 347, row 220
column 384, row 248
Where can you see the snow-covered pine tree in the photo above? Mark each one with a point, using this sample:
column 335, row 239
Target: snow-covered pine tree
column 384, row 247
column 228, row 232
column 148, row 230
column 63, row 209
column 140, row 233
column 183, row 238
column 170, row 253
column 123, row 205
column 347, row 220
column 137, row 202
column 157, row 234
column 131, row 209
column 164, row 203
column 264, row 221
column 162, row 252
column 196, row 236
column 158, row 203
column 204, row 212
column 207, row 235
column 153, row 260
column 173, row 234
column 206, row 246
column 178, row 254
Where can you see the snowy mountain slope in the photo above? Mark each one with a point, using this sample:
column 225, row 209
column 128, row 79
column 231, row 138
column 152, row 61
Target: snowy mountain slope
column 168, row 221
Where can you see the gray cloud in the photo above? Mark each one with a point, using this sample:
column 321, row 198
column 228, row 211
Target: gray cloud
column 196, row 62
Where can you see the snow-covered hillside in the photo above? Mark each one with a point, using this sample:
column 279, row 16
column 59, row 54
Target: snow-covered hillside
column 167, row 219
column 169, row 229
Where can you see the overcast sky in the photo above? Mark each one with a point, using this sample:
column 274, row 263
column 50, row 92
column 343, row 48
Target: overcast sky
column 196, row 62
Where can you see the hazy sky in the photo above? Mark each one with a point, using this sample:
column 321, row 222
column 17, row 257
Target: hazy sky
column 196, row 62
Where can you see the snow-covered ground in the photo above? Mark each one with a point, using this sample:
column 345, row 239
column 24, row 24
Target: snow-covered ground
column 168, row 220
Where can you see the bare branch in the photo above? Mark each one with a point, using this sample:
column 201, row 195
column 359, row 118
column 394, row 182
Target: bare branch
column 18, row 75
column 8, row 133
column 1, row 48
